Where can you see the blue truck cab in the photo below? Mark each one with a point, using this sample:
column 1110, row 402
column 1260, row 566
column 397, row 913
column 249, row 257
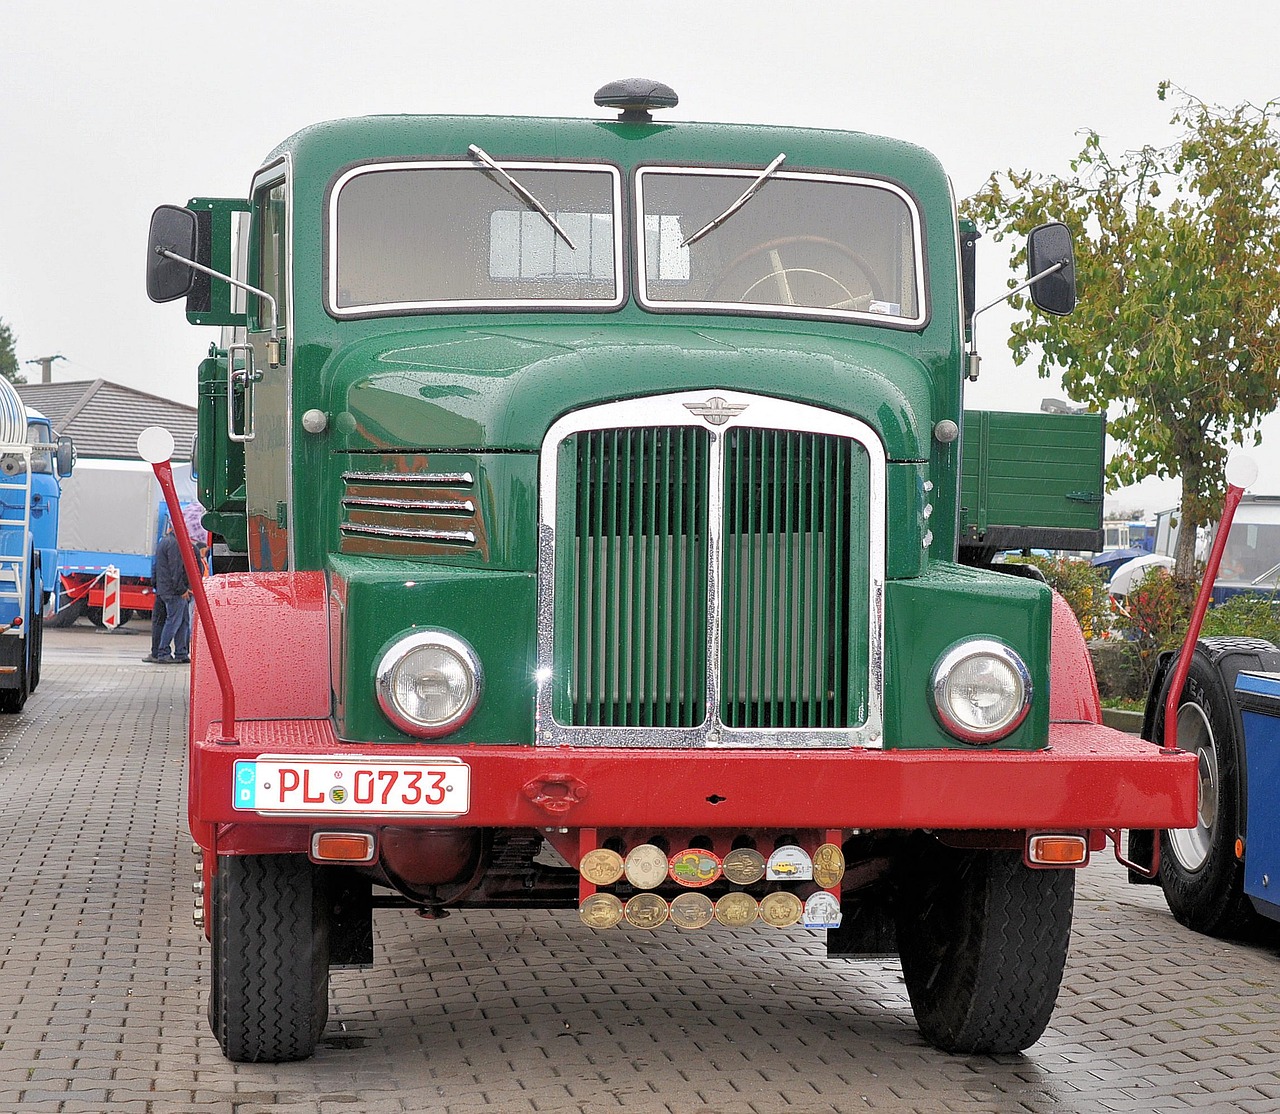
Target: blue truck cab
column 33, row 463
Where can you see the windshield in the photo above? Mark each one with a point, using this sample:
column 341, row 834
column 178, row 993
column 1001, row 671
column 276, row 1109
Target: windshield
column 823, row 245
column 38, row 436
column 419, row 236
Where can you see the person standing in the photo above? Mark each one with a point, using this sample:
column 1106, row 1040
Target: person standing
column 173, row 589
column 157, row 617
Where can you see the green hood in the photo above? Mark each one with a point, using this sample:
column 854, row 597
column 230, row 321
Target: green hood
column 484, row 389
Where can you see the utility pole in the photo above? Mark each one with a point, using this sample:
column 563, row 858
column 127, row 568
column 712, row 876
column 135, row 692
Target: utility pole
column 46, row 366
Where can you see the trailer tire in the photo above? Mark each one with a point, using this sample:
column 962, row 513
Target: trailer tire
column 983, row 940
column 1202, row 879
column 269, row 995
column 68, row 615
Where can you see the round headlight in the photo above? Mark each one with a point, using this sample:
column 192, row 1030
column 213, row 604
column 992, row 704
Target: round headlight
column 429, row 683
column 981, row 690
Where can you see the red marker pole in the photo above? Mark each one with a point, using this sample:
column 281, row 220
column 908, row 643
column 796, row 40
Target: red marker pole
column 155, row 446
column 1234, row 492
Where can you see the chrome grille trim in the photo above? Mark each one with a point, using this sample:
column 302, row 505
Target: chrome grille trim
column 450, row 478
column 447, row 506
column 731, row 410
column 455, row 537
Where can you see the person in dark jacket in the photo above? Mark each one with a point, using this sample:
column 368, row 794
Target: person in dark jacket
column 173, row 589
column 157, row 619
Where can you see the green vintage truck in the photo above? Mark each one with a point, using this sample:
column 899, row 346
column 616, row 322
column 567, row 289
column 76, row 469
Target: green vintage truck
column 591, row 491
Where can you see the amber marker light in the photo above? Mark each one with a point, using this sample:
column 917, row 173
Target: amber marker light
column 342, row 847
column 1057, row 850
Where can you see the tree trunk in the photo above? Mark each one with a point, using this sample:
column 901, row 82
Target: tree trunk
column 1184, row 554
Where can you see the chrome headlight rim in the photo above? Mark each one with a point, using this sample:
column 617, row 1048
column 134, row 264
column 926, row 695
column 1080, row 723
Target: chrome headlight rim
column 945, row 668
column 395, row 655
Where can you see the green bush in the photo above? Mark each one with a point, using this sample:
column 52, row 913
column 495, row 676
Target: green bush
column 1250, row 615
column 1082, row 586
column 1154, row 615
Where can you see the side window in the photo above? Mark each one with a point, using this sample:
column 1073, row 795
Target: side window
column 269, row 244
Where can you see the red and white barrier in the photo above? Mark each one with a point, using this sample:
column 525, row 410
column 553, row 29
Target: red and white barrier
column 111, row 598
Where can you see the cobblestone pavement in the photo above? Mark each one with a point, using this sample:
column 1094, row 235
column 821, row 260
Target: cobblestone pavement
column 102, row 976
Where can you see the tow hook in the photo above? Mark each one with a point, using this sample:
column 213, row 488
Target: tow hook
column 556, row 793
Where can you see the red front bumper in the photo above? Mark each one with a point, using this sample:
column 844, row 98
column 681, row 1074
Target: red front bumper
column 1090, row 777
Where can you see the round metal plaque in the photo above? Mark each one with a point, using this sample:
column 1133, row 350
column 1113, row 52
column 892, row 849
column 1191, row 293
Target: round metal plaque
column 600, row 911
column 736, row 910
column 694, row 867
column 646, row 867
column 828, row 865
column 781, row 909
column 692, row 910
column 743, row 865
column 601, row 867
column 646, row 911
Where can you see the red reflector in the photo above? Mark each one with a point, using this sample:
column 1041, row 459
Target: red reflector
column 17, row 622
column 342, row 847
column 1057, row 850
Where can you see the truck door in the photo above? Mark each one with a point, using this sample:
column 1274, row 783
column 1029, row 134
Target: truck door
column 263, row 390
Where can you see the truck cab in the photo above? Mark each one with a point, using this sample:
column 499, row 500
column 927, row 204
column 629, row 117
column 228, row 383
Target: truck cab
column 598, row 487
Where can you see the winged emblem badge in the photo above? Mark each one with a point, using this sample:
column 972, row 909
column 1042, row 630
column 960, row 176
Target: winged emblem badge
column 716, row 410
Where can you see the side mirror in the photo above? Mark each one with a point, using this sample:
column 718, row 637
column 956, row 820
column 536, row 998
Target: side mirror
column 65, row 456
column 1049, row 249
column 173, row 229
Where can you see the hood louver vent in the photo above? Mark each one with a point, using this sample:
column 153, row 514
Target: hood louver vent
column 407, row 513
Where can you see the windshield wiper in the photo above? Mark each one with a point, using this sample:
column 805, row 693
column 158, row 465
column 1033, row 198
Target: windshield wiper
column 524, row 193
column 747, row 195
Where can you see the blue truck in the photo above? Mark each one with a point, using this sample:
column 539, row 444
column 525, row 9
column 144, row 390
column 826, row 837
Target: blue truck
column 33, row 463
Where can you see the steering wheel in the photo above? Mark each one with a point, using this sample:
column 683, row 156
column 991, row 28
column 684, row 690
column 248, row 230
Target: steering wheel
column 781, row 274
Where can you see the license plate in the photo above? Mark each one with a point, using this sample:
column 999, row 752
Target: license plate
column 352, row 786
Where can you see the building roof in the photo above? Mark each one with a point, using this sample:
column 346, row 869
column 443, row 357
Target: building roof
column 105, row 418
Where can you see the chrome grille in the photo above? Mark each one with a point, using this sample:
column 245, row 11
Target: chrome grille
column 711, row 586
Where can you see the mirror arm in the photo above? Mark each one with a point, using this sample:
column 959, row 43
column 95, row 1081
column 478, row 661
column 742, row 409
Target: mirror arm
column 271, row 302
column 973, row 360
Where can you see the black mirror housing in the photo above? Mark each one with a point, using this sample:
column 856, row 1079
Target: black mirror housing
column 65, row 456
column 173, row 229
column 1049, row 245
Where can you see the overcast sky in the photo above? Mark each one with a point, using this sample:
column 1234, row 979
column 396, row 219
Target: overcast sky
column 112, row 109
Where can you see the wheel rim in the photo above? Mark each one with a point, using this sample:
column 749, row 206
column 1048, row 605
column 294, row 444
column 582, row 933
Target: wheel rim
column 1191, row 845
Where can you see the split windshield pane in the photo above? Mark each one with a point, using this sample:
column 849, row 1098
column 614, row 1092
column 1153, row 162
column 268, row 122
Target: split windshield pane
column 454, row 235
column 808, row 244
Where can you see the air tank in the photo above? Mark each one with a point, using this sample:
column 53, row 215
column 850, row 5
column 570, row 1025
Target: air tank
column 13, row 415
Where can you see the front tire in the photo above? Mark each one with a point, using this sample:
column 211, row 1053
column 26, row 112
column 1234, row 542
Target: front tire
column 983, row 940
column 269, row 999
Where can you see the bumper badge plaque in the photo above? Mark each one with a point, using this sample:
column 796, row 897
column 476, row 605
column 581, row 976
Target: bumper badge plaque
column 822, row 910
column 736, row 910
column 646, row 867
column 600, row 911
column 694, row 867
column 646, row 911
column 601, row 867
column 781, row 909
column 828, row 866
column 789, row 864
column 692, row 910
column 743, row 866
